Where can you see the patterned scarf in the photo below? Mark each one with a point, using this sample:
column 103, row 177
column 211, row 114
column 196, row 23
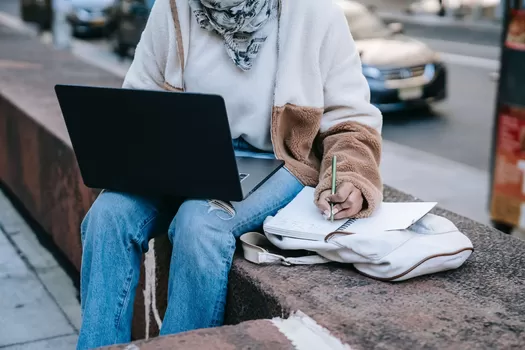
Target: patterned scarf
column 241, row 23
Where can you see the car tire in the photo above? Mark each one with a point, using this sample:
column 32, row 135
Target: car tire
column 75, row 32
column 107, row 32
column 425, row 109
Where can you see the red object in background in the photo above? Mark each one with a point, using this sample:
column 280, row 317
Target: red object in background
column 507, row 204
column 516, row 30
column 511, row 132
column 508, row 186
column 510, row 153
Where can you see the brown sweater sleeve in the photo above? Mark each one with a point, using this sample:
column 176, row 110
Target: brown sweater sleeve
column 358, row 151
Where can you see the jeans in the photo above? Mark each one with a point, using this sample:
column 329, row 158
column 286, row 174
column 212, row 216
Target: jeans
column 115, row 234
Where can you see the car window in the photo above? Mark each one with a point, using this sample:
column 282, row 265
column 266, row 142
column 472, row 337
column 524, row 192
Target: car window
column 366, row 25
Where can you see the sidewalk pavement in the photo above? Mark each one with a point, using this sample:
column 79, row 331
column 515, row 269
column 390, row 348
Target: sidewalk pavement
column 39, row 308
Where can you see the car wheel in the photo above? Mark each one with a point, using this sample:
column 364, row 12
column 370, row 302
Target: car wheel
column 107, row 32
column 75, row 32
column 426, row 108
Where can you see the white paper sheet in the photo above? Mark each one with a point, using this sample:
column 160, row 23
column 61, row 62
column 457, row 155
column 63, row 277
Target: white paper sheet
column 302, row 219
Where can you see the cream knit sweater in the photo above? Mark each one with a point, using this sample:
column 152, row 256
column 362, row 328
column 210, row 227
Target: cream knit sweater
column 321, row 100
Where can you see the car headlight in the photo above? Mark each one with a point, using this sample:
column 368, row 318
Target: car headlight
column 430, row 70
column 371, row 72
column 83, row 14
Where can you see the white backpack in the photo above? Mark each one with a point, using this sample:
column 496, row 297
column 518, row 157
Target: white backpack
column 432, row 244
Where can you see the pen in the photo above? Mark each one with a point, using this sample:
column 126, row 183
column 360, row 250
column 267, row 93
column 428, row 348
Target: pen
column 334, row 170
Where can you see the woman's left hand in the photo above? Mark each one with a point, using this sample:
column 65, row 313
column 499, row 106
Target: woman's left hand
column 348, row 201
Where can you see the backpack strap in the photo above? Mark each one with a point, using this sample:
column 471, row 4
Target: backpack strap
column 178, row 33
column 252, row 243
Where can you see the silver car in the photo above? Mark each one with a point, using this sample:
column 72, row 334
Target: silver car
column 91, row 17
column 402, row 72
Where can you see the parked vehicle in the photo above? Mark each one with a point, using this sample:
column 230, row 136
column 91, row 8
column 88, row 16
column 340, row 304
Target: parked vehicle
column 38, row 12
column 87, row 17
column 402, row 72
column 91, row 17
column 130, row 20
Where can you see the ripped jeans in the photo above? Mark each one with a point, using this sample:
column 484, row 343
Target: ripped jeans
column 115, row 234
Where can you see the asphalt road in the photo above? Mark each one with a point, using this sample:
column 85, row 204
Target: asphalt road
column 459, row 128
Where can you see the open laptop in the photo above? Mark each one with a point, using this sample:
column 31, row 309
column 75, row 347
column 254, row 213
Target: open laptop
column 156, row 142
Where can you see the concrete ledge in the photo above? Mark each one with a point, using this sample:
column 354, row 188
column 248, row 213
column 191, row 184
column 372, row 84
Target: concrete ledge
column 253, row 335
column 37, row 163
column 480, row 305
column 298, row 331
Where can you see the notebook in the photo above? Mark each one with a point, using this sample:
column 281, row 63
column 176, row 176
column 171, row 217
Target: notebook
column 301, row 218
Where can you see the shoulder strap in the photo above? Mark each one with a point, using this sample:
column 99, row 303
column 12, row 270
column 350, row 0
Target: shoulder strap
column 252, row 243
column 180, row 46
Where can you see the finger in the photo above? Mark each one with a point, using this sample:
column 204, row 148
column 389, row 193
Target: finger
column 356, row 204
column 341, row 193
column 345, row 214
column 356, row 198
column 323, row 204
column 345, row 205
column 352, row 198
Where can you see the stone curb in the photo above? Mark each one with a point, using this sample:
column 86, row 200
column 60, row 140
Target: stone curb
column 298, row 332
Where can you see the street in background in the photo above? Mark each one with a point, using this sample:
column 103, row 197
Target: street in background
column 86, row 17
column 402, row 72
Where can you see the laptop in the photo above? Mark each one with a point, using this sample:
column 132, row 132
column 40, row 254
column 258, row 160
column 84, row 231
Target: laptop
column 158, row 143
